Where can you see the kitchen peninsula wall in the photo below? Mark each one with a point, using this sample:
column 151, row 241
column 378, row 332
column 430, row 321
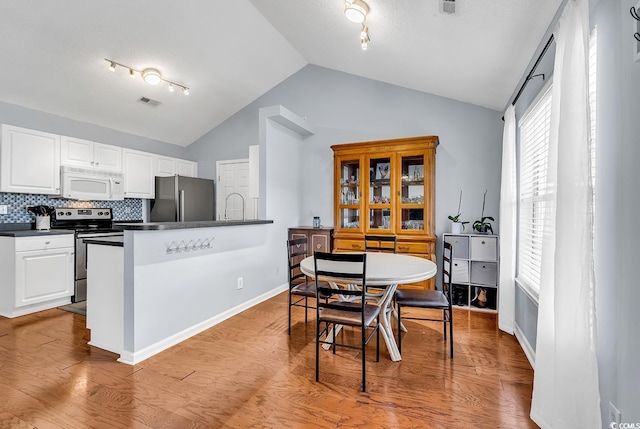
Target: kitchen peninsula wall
column 129, row 209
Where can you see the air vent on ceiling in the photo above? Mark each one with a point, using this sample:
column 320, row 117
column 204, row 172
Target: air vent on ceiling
column 149, row 101
column 447, row 6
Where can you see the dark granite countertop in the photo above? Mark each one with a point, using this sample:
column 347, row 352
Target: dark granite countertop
column 27, row 230
column 161, row 226
column 106, row 241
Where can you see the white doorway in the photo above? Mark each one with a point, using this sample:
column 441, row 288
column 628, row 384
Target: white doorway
column 233, row 177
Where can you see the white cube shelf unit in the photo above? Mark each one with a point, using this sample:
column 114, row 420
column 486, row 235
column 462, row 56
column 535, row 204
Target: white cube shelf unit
column 475, row 270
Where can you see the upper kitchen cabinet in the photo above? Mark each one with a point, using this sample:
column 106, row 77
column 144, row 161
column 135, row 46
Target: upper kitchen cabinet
column 88, row 154
column 386, row 187
column 139, row 178
column 29, row 161
column 167, row 166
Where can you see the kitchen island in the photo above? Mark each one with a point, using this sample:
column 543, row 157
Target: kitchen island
column 168, row 281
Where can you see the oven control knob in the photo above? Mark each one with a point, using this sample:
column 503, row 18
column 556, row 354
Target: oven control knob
column 68, row 213
column 60, row 213
column 99, row 213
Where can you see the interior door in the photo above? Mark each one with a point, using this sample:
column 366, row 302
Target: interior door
column 233, row 178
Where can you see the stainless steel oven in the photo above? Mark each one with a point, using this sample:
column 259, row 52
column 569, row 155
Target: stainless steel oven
column 87, row 223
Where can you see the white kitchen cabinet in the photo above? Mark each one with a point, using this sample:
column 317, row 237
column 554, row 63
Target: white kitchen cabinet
column 475, row 270
column 29, row 161
column 187, row 168
column 37, row 273
column 167, row 166
column 139, row 174
column 88, row 154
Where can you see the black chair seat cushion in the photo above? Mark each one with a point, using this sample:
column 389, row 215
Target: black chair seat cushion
column 350, row 318
column 421, row 298
column 307, row 289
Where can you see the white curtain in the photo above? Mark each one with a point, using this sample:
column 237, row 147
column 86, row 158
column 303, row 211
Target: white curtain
column 565, row 386
column 508, row 207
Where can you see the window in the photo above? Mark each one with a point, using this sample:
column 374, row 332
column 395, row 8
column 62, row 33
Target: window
column 535, row 197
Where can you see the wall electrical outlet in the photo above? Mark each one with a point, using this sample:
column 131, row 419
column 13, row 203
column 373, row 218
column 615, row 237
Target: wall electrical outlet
column 614, row 415
column 4, row 209
column 240, row 282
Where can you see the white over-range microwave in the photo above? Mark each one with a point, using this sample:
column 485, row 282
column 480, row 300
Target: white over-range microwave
column 87, row 184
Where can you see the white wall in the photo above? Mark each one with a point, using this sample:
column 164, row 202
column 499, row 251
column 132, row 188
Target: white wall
column 343, row 108
column 37, row 120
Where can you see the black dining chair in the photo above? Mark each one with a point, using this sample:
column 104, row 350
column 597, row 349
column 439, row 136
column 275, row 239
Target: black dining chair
column 430, row 299
column 300, row 288
column 345, row 306
column 380, row 243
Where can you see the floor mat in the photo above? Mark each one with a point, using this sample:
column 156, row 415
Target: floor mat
column 76, row 307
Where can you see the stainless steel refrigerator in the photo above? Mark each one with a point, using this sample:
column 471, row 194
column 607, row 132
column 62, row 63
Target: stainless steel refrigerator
column 183, row 199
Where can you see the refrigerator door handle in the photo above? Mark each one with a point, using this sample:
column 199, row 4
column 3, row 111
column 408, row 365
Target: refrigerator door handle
column 181, row 212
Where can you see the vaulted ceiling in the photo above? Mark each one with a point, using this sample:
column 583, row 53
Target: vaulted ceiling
column 231, row 52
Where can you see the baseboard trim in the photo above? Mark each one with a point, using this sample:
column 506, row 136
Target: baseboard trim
column 132, row 358
column 526, row 347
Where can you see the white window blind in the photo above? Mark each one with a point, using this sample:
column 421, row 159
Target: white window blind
column 535, row 196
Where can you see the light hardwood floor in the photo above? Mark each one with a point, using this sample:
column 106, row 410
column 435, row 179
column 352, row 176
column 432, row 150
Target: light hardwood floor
column 247, row 372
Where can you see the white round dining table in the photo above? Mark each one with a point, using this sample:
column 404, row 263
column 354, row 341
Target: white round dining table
column 387, row 270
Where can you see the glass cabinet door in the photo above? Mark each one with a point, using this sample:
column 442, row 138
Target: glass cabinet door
column 412, row 193
column 350, row 194
column 380, row 193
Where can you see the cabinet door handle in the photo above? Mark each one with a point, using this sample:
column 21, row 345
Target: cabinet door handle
column 357, row 246
column 403, row 247
column 318, row 246
column 47, row 242
column 482, row 241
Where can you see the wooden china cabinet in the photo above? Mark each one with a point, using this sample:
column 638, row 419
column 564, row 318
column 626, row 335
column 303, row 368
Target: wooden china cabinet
column 386, row 187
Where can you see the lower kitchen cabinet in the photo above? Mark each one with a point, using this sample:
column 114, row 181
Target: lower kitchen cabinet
column 475, row 270
column 318, row 239
column 37, row 273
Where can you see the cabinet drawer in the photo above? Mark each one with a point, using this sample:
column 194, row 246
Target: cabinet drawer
column 346, row 245
column 460, row 245
column 484, row 273
column 484, row 248
column 412, row 248
column 460, row 271
column 45, row 242
column 319, row 243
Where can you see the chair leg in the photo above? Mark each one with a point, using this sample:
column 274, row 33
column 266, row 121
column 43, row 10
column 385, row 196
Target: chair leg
column 444, row 323
column 334, row 338
column 289, row 312
column 451, row 331
column 317, row 350
column 378, row 340
column 364, row 357
column 305, row 309
column 399, row 330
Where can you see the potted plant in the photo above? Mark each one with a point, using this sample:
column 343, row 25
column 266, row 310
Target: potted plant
column 457, row 226
column 482, row 226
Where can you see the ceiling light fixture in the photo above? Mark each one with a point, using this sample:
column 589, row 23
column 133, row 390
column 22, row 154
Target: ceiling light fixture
column 150, row 75
column 356, row 10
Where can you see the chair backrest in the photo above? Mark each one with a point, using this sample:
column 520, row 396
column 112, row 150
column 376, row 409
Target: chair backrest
column 447, row 254
column 349, row 268
column 296, row 251
column 380, row 243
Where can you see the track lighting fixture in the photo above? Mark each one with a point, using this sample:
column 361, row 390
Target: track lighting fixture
column 149, row 75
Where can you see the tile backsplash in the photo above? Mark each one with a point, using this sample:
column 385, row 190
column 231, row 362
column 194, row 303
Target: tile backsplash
column 129, row 209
